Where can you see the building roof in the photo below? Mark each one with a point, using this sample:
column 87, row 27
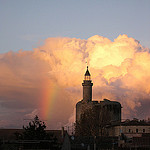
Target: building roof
column 135, row 122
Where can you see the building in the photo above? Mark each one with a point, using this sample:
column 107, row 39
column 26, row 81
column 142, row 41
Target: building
column 100, row 113
column 131, row 133
column 129, row 128
column 102, row 120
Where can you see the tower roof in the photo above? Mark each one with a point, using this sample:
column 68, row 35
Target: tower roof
column 87, row 73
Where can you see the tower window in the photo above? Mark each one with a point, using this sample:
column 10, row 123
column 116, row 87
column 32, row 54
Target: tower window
column 136, row 130
column 129, row 130
column 143, row 130
column 87, row 78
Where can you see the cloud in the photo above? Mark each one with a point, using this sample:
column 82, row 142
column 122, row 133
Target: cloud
column 47, row 80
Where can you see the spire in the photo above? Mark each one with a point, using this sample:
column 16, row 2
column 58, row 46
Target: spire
column 87, row 75
column 87, row 72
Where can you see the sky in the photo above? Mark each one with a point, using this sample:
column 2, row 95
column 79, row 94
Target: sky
column 25, row 24
column 44, row 47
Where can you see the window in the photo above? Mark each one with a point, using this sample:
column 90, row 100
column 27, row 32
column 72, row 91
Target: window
column 143, row 130
column 136, row 130
column 129, row 130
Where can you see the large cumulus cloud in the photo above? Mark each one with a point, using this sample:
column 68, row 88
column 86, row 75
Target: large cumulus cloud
column 119, row 68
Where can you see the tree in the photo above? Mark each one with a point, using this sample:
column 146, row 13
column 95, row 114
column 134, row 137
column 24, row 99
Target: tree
column 93, row 122
column 35, row 130
column 89, row 123
column 36, row 137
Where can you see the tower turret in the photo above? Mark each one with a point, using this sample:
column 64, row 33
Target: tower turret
column 87, row 86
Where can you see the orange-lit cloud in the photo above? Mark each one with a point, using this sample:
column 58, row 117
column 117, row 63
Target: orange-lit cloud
column 48, row 79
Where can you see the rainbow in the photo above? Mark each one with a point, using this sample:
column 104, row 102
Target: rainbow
column 48, row 99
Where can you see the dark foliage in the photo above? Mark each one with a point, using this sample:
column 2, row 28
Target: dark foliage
column 88, row 124
column 92, row 122
column 35, row 136
column 35, row 130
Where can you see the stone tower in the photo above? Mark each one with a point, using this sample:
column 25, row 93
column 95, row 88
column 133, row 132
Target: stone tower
column 87, row 87
column 105, row 112
column 86, row 102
